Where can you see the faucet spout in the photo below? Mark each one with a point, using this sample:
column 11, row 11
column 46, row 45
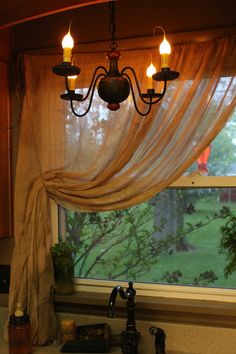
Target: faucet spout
column 112, row 301
column 127, row 294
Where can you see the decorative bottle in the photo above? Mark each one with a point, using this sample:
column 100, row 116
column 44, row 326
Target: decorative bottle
column 19, row 332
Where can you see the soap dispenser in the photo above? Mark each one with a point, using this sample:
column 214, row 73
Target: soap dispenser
column 19, row 332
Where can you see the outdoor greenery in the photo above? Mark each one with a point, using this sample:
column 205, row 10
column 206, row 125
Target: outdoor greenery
column 182, row 236
column 121, row 245
column 228, row 243
column 64, row 249
column 63, row 254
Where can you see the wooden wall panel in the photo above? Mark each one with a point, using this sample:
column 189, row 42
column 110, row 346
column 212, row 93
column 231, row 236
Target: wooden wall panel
column 4, row 153
column 4, row 139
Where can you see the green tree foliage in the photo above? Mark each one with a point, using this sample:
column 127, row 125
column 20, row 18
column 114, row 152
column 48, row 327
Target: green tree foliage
column 120, row 244
column 115, row 243
column 228, row 243
column 223, row 151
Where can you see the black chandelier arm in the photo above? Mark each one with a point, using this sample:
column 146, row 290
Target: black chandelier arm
column 138, row 87
column 90, row 100
column 134, row 100
column 160, row 95
column 91, row 83
column 135, row 78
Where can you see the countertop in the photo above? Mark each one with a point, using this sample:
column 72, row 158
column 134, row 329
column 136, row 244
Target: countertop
column 51, row 349
column 55, row 349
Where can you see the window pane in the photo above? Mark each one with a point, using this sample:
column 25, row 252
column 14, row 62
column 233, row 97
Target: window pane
column 221, row 160
column 174, row 238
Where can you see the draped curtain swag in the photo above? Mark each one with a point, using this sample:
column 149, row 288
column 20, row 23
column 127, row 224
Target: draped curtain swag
column 106, row 160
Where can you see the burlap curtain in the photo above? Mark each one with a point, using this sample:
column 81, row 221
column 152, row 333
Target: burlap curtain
column 106, row 160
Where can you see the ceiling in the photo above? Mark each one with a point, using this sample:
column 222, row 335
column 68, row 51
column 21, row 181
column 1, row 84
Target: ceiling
column 16, row 11
column 134, row 18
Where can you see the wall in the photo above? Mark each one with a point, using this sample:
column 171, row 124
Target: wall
column 6, row 248
column 4, row 136
column 180, row 338
column 6, row 244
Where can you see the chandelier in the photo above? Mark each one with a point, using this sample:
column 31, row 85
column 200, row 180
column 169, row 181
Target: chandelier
column 113, row 85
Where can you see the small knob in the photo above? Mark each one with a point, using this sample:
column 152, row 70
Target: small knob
column 111, row 314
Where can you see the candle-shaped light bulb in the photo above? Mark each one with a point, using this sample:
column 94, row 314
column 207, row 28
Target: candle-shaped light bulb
column 71, row 82
column 165, row 50
column 151, row 70
column 67, row 45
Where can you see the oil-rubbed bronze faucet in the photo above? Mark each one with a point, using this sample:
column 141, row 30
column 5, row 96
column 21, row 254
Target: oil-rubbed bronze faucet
column 160, row 338
column 129, row 337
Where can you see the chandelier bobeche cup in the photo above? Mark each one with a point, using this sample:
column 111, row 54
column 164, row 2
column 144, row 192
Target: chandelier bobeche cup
column 114, row 86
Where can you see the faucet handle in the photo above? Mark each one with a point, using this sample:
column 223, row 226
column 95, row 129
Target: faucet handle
column 130, row 291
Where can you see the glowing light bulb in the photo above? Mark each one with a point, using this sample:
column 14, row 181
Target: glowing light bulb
column 67, row 45
column 149, row 72
column 71, row 82
column 165, row 47
column 67, row 41
column 165, row 50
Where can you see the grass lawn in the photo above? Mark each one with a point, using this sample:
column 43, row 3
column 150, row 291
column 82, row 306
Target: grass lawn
column 204, row 257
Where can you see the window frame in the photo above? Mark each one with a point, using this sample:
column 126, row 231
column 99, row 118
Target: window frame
column 161, row 291
column 167, row 303
column 195, row 180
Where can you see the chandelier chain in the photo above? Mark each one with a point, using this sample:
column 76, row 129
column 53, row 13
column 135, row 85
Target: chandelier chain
column 112, row 25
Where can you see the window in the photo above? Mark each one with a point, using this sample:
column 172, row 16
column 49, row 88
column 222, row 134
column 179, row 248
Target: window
column 173, row 238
